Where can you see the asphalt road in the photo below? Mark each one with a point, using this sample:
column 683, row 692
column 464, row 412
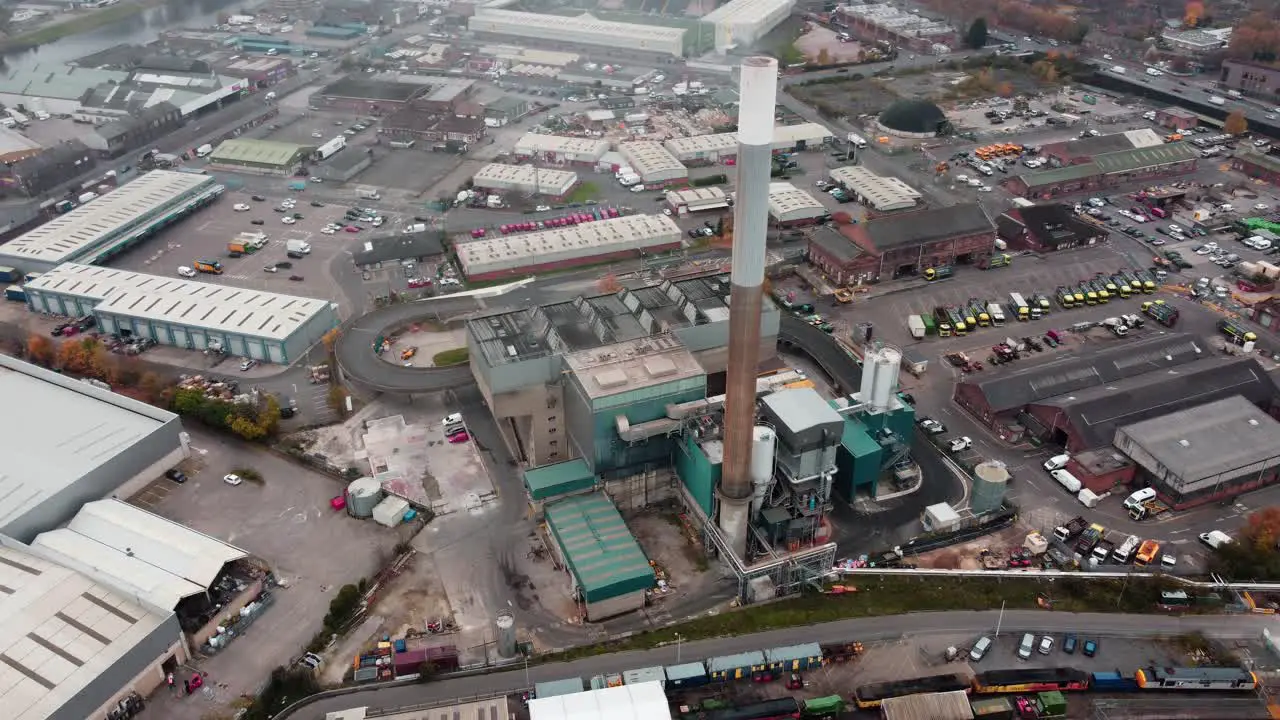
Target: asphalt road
column 863, row 629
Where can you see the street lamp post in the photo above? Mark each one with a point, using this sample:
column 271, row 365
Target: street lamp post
column 1000, row 620
column 679, row 640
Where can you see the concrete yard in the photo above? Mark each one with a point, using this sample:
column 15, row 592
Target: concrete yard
column 287, row 522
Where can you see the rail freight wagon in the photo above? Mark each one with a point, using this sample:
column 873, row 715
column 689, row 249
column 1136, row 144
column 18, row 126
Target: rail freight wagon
column 870, row 696
column 1030, row 680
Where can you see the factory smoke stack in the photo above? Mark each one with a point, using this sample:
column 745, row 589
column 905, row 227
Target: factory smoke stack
column 758, row 85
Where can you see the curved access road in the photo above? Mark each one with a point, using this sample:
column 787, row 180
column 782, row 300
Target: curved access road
column 829, row 354
column 362, row 366
column 1228, row 627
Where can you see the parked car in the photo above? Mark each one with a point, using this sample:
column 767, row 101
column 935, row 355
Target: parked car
column 232, row 479
column 960, row 444
column 931, row 426
column 176, row 475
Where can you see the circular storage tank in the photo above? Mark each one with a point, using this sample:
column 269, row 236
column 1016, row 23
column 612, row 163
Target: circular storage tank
column 886, row 380
column 506, row 624
column 990, row 481
column 362, row 496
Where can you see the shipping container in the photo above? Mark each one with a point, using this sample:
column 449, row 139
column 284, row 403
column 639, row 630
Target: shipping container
column 15, row 293
column 10, row 275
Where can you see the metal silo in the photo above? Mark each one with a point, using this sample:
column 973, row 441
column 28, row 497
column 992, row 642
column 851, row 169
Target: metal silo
column 990, row 480
column 506, row 623
column 886, row 362
column 362, row 496
column 761, row 466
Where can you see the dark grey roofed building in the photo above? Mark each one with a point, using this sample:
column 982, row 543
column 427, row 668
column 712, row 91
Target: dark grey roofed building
column 887, row 233
column 419, row 247
column 1095, row 413
column 1049, row 227
column 56, row 165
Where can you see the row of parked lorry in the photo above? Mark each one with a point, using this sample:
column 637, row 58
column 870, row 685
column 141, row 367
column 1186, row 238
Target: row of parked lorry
column 1102, row 287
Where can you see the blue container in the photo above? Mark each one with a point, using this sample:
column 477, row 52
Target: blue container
column 401, row 646
column 410, row 514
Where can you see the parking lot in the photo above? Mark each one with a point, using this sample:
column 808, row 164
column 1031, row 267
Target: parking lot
column 205, row 237
column 287, row 522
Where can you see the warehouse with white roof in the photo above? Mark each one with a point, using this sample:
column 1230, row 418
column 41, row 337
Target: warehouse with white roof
column 526, row 180
column 184, row 313
column 584, row 244
column 698, row 199
column 641, row 701
column 653, row 163
column 789, row 206
column 881, row 193
column 74, row 647
column 805, row 136
column 585, row 29
column 561, row 149
column 70, row 442
column 739, row 23
column 703, row 148
column 109, row 225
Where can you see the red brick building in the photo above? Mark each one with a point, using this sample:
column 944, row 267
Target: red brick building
column 1252, row 78
column 1176, row 118
column 1046, row 228
column 1102, row 469
column 894, row 246
column 1077, row 404
column 1262, row 166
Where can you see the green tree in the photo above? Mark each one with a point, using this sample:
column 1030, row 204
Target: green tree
column 976, row 37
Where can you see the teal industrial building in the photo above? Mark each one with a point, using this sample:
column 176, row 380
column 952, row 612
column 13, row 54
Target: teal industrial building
column 602, row 397
column 609, row 570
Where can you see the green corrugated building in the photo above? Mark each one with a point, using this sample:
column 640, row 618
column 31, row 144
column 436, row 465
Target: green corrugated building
column 610, row 572
column 858, row 460
column 553, row 481
column 698, row 467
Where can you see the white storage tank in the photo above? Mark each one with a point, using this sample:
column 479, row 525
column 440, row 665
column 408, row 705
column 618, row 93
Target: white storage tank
column 762, row 441
column 363, row 496
column 885, row 384
column 506, row 624
column 990, row 481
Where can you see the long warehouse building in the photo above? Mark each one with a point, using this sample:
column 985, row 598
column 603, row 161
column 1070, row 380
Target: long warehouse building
column 722, row 146
column 109, row 225
column 516, row 255
column 526, row 179
column 740, row 23
column 561, row 149
column 653, row 163
column 585, row 29
column 265, row 326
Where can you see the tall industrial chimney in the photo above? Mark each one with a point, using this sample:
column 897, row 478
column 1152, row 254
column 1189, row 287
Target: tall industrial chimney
column 758, row 86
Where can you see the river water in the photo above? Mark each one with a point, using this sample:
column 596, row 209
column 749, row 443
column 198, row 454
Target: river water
column 138, row 29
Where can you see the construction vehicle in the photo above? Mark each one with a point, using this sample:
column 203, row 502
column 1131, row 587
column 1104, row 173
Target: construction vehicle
column 1148, row 552
column 1149, row 283
column 942, row 272
column 996, row 313
column 1147, row 509
column 1089, row 539
column 1021, row 310
column 1100, row 288
column 1236, row 332
column 1088, row 294
column 1161, row 312
column 1123, row 288
column 1108, row 285
column 942, row 322
column 1040, row 306
column 979, row 311
column 1075, row 526
column 213, row 267
column 1066, row 298
column 998, row 260
column 1117, row 326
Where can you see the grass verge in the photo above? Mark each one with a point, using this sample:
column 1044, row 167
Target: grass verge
column 896, row 595
column 456, row 356
column 74, row 26
column 584, row 192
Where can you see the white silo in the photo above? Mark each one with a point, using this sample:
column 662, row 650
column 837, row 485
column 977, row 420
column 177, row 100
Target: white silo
column 885, row 384
column 868, row 376
column 762, row 441
column 506, row 635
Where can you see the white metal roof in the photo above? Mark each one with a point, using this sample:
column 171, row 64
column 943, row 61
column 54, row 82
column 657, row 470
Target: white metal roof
column 788, row 202
column 588, row 28
column 882, row 193
column 789, row 135
column 252, row 313
column 59, row 630
column 157, row 541
column 586, row 239
column 650, row 157
column 643, row 701
column 60, row 431
column 68, row 236
column 525, row 176
column 149, row 584
column 536, row 142
column 745, row 11
column 689, row 147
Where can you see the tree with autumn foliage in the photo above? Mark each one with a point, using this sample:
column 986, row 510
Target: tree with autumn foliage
column 1257, row 38
column 1235, row 124
column 609, row 284
column 1253, row 556
column 40, row 350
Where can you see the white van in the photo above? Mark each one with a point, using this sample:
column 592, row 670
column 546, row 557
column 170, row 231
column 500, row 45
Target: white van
column 1025, row 647
column 1138, row 497
column 980, row 648
column 1057, row 462
column 1067, row 480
